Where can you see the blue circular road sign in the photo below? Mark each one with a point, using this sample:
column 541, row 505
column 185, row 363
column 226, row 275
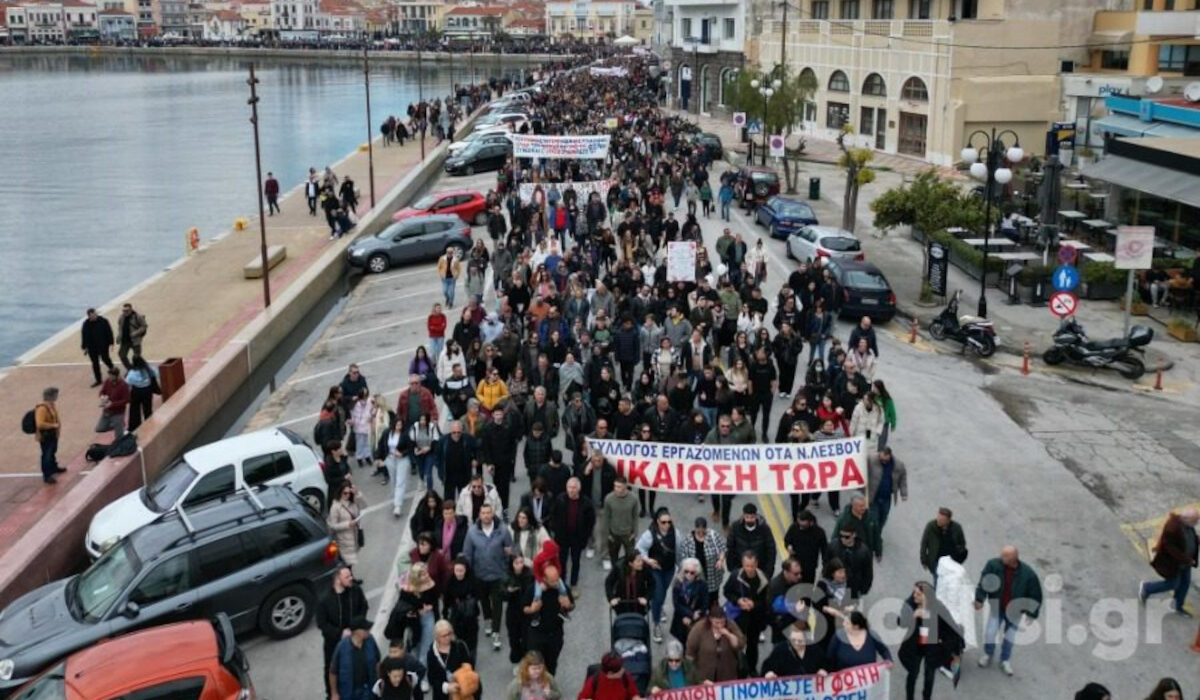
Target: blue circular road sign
column 1065, row 278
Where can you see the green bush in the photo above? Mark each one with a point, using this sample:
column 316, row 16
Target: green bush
column 1102, row 273
column 967, row 253
column 1034, row 273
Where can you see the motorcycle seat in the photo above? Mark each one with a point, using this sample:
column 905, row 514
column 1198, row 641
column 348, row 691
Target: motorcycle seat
column 1105, row 344
column 964, row 320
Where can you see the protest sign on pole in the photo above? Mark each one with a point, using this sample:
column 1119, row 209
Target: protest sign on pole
column 681, row 261
column 531, row 146
column 809, row 467
column 868, row 682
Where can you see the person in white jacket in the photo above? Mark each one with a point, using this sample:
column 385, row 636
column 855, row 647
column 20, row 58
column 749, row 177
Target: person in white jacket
column 451, row 355
column 465, row 505
column 867, row 420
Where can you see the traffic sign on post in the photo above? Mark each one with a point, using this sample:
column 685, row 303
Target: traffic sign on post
column 1067, row 255
column 739, row 119
column 1063, row 304
column 1066, row 279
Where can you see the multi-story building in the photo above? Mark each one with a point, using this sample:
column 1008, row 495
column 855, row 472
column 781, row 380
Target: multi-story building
column 918, row 76
column 476, row 22
column 706, row 42
column 1145, row 51
column 341, row 19
column 147, row 13
column 116, row 25
column 590, row 20
column 224, row 25
column 418, row 16
column 175, row 17
column 256, row 17
column 50, row 22
column 642, row 26
column 295, row 19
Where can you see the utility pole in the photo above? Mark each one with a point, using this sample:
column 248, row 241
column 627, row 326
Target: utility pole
column 420, row 99
column 370, row 144
column 262, row 218
column 783, row 42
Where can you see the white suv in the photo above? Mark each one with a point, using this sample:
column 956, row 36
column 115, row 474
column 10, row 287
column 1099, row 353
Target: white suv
column 276, row 457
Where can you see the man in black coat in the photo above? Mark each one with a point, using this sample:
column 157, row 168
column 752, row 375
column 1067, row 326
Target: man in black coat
column 97, row 339
column 863, row 330
column 856, row 557
column 343, row 603
column 752, row 534
column 498, row 451
column 573, row 519
column 808, row 543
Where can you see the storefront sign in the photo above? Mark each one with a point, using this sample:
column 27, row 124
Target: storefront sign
column 939, row 267
column 810, row 467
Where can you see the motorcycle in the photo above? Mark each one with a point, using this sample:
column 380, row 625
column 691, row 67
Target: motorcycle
column 1071, row 344
column 978, row 334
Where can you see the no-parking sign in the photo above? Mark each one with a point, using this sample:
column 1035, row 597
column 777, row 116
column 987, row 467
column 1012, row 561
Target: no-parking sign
column 1063, row 304
column 739, row 119
column 776, row 142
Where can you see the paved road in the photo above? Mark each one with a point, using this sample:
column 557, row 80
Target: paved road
column 1072, row 474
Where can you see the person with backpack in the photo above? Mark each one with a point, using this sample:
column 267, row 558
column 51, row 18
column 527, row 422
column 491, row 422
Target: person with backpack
column 611, row 682
column 44, row 424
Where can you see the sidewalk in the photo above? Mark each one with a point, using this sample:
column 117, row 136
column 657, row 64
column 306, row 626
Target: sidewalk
column 902, row 262
column 193, row 309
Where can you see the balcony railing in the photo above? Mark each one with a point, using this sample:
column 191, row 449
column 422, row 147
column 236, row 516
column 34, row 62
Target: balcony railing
column 897, row 28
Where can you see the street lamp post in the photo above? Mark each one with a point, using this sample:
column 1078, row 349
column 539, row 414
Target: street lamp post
column 262, row 218
column 766, row 90
column 991, row 171
column 370, row 145
column 420, row 96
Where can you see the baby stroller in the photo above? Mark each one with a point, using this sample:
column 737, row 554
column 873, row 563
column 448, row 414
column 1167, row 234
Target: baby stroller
column 631, row 639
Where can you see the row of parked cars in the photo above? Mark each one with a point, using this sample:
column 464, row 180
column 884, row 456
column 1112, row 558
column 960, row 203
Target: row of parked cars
column 230, row 538
column 864, row 288
column 487, row 147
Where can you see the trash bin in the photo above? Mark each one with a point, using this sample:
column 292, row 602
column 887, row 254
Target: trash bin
column 814, row 188
column 170, row 376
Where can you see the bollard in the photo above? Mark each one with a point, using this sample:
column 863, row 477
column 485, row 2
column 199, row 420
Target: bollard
column 912, row 331
column 1158, row 376
column 1025, row 360
column 1196, row 643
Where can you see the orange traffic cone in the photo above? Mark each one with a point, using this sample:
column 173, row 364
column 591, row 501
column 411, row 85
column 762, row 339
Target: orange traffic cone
column 1196, row 642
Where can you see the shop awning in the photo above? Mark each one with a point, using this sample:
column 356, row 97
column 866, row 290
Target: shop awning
column 1122, row 125
column 1110, row 38
column 1169, row 184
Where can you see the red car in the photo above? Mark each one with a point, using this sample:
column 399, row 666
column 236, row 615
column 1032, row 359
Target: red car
column 469, row 206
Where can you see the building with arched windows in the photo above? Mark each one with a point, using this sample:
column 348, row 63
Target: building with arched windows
column 915, row 77
column 705, row 43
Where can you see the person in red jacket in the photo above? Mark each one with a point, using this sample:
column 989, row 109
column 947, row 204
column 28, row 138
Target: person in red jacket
column 611, row 682
column 114, row 398
column 436, row 326
column 424, row 403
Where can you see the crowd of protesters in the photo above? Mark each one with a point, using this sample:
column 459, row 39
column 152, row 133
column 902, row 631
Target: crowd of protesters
column 581, row 335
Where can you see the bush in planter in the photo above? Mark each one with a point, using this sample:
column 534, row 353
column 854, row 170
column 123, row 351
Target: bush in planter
column 1102, row 273
column 1032, row 274
column 967, row 253
column 1182, row 329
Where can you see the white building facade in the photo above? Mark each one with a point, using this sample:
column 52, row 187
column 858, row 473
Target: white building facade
column 705, row 44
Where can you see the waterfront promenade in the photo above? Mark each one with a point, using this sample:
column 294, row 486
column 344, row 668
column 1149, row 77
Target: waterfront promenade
column 194, row 308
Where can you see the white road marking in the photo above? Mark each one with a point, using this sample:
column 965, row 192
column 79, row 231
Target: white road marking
column 393, row 324
column 377, row 302
column 341, row 368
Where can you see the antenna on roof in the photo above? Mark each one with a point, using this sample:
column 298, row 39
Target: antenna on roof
column 1154, row 85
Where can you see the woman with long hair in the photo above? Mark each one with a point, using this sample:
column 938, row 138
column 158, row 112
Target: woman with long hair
column 343, row 519
column 417, row 609
column 446, row 656
column 527, row 535
column 738, row 377
column 421, row 363
column 689, row 597
column 423, row 437
column 426, row 514
column 533, row 681
column 382, row 418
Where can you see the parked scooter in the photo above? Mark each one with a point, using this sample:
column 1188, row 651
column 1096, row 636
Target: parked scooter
column 1071, row 344
column 978, row 334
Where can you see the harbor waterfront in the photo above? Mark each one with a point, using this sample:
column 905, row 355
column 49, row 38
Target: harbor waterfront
column 110, row 159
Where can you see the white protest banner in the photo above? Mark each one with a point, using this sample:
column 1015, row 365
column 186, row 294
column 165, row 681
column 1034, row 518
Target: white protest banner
column 806, row 467
column 1135, row 247
column 681, row 261
column 530, row 146
column 616, row 71
column 869, row 682
column 583, row 189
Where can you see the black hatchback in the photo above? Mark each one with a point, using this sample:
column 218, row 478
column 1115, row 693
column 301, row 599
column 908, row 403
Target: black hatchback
column 865, row 291
column 478, row 157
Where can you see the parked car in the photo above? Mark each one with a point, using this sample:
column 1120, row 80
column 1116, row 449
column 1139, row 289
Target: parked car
column 513, row 119
column 478, row 158
column 468, row 205
column 711, row 143
column 196, row 660
column 756, row 183
column 276, row 457
column 783, row 216
column 823, row 242
column 495, row 134
column 418, row 238
column 865, row 291
column 259, row 556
